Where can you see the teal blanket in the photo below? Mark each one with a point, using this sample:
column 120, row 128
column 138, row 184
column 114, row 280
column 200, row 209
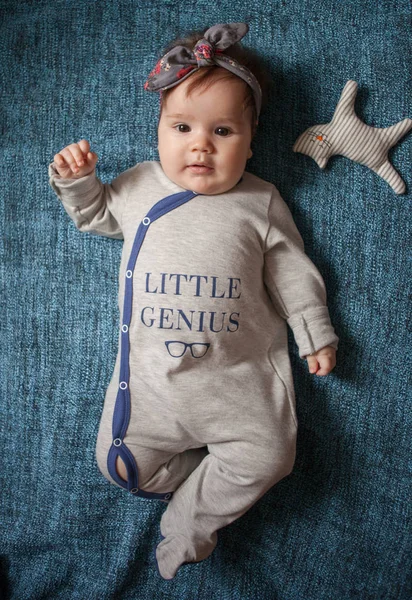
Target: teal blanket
column 337, row 527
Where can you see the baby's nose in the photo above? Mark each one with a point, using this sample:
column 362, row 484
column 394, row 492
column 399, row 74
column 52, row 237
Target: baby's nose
column 202, row 143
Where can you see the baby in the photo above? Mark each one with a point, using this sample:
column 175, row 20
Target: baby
column 200, row 411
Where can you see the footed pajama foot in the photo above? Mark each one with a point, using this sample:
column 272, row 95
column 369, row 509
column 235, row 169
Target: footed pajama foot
column 171, row 554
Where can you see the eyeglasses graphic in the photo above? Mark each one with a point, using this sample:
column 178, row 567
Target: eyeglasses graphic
column 177, row 349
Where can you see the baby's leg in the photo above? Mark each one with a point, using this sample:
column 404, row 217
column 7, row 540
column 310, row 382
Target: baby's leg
column 168, row 476
column 159, row 470
column 223, row 487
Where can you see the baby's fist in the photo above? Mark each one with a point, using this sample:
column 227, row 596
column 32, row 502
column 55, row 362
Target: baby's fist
column 323, row 361
column 75, row 161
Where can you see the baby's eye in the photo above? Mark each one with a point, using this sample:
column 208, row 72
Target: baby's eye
column 223, row 131
column 182, row 128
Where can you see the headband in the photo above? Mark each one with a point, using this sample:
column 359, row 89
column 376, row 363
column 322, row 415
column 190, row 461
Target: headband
column 180, row 62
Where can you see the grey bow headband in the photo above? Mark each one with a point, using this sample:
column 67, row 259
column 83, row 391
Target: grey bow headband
column 180, row 62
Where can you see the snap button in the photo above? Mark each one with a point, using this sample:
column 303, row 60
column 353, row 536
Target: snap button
column 146, row 221
column 168, row 496
column 117, row 442
column 129, row 274
column 134, row 490
column 125, row 328
column 123, row 385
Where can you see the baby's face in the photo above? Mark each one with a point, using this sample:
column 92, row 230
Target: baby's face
column 204, row 140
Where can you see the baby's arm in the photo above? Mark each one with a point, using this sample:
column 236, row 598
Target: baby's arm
column 93, row 206
column 297, row 289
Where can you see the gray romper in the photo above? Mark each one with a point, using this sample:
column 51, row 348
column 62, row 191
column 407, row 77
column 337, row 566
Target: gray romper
column 201, row 404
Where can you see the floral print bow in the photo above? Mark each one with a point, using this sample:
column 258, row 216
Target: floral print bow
column 180, row 62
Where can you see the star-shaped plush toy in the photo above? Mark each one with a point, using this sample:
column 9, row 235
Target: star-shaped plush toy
column 347, row 135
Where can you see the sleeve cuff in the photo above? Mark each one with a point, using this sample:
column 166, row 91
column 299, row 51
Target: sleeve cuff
column 313, row 330
column 71, row 190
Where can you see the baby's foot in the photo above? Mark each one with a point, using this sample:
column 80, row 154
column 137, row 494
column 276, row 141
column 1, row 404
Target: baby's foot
column 171, row 554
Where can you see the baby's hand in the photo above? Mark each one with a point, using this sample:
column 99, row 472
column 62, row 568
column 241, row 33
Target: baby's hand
column 75, row 161
column 323, row 361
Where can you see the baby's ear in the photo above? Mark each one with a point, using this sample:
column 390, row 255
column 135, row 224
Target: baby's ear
column 250, row 153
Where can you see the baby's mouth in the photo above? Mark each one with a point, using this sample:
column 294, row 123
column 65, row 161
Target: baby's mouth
column 200, row 168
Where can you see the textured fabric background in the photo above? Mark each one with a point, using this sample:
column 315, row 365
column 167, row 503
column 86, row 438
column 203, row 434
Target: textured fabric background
column 337, row 527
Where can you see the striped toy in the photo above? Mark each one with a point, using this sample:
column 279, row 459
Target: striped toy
column 348, row 136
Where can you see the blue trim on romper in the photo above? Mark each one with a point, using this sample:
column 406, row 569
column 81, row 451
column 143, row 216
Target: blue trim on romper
column 121, row 414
